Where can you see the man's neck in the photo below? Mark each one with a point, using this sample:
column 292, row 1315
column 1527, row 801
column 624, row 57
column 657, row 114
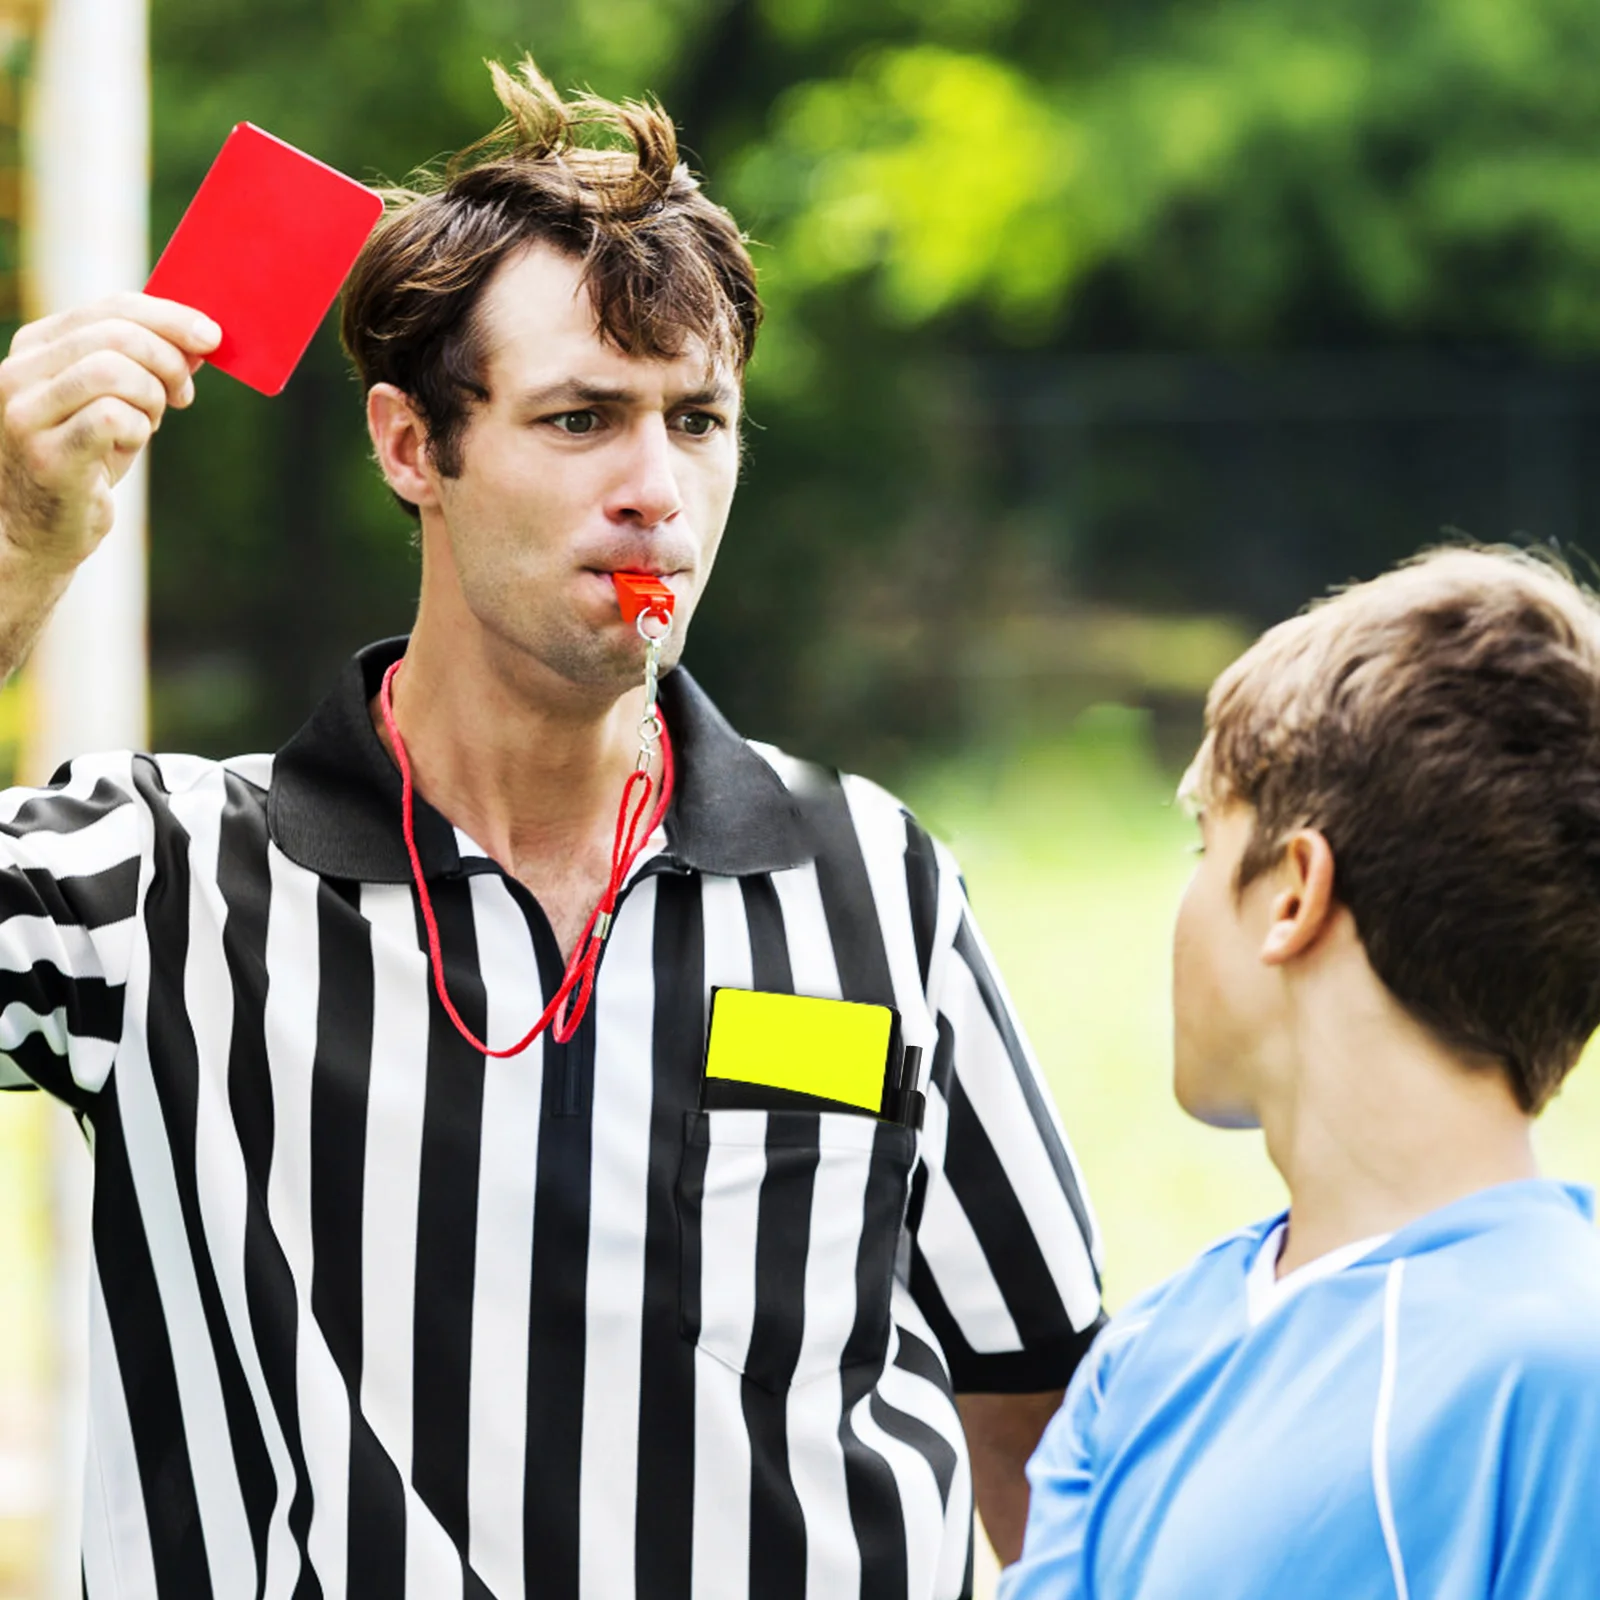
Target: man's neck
column 530, row 768
column 1379, row 1124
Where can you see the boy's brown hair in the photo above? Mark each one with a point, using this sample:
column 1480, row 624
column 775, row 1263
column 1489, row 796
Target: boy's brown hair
column 1440, row 725
column 664, row 265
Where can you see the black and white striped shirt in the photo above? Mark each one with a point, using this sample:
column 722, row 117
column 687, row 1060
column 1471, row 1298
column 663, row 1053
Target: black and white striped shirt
column 372, row 1316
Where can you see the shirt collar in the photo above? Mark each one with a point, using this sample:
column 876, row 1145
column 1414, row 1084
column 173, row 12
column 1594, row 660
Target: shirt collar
column 334, row 804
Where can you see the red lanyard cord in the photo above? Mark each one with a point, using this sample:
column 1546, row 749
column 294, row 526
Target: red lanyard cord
column 571, row 1000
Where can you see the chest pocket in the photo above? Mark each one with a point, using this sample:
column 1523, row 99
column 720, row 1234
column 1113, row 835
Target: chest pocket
column 789, row 1223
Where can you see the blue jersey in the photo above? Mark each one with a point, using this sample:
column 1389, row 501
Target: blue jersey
column 1418, row 1417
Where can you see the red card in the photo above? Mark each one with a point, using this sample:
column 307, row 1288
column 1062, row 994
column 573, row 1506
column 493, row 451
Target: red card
column 262, row 250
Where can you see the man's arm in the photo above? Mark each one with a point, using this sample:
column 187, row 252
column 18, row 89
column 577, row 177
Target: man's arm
column 80, row 395
column 1002, row 1432
column 1050, row 1565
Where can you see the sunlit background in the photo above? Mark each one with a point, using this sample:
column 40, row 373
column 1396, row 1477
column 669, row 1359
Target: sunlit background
column 1101, row 335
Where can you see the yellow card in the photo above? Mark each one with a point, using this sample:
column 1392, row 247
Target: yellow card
column 838, row 1049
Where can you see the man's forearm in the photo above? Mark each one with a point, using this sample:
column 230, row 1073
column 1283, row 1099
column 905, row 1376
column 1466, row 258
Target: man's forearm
column 29, row 590
column 1002, row 1432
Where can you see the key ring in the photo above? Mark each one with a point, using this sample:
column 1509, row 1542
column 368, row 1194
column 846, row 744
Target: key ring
column 653, row 643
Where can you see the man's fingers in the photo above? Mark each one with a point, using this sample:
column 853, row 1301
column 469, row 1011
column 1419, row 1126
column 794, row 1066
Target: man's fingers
column 106, row 425
column 80, row 395
column 102, row 374
column 95, row 448
column 169, row 364
column 189, row 329
column 192, row 331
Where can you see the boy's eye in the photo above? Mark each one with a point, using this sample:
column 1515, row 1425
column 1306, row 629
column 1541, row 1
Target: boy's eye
column 575, row 422
column 697, row 424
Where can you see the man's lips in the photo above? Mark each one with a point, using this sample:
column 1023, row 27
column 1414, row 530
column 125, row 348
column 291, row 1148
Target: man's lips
column 600, row 581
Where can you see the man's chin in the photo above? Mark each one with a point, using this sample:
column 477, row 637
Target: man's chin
column 605, row 663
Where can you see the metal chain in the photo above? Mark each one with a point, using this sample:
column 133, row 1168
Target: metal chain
column 650, row 722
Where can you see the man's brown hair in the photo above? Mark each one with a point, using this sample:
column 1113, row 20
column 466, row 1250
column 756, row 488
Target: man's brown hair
column 664, row 265
column 1441, row 727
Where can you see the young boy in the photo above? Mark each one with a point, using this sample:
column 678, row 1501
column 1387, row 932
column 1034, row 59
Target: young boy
column 1388, row 960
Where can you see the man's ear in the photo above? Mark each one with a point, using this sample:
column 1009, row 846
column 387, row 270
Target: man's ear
column 1302, row 901
column 400, row 442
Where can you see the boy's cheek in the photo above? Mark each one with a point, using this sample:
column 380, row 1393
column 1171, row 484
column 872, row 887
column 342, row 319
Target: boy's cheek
column 1209, row 1031
column 1191, row 992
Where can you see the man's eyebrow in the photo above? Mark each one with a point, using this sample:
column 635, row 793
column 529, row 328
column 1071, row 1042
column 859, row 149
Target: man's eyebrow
column 710, row 394
column 574, row 391
column 580, row 392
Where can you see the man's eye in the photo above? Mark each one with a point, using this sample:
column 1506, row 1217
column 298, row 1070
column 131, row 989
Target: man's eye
column 697, row 424
column 575, row 422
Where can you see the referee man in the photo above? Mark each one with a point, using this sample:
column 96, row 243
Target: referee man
column 374, row 1313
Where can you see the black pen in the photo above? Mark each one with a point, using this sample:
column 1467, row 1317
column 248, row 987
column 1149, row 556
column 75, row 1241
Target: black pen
column 902, row 1101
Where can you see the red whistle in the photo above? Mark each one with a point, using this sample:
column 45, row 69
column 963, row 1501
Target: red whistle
column 640, row 594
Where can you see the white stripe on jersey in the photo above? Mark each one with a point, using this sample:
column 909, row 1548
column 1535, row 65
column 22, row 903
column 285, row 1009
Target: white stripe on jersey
column 228, row 1542
column 102, row 954
column 805, row 922
column 208, row 997
column 881, row 827
column 502, row 1279
column 1380, row 1423
column 839, row 1195
column 722, row 1477
column 396, row 1098
column 614, row 1293
column 116, row 1536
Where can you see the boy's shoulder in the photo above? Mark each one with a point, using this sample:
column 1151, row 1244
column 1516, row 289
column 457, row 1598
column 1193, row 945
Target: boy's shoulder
column 1197, row 1297
column 1509, row 1277
column 1218, row 1270
column 1527, row 1262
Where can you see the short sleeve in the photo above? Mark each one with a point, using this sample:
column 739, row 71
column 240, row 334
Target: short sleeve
column 1004, row 1247
column 1060, row 1477
column 1548, row 1537
column 70, row 863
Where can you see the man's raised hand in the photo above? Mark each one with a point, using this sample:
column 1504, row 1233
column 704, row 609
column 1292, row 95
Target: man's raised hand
column 80, row 395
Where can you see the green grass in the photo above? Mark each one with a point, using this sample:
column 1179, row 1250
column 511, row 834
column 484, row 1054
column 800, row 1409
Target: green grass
column 25, row 1236
column 1076, row 856
column 24, row 1313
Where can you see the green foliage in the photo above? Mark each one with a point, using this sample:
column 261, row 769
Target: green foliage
column 1230, row 164
column 896, row 165
column 931, row 183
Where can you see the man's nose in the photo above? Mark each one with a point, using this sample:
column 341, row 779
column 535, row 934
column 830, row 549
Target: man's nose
column 647, row 494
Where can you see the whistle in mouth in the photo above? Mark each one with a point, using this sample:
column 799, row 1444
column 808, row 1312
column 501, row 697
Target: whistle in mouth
column 638, row 594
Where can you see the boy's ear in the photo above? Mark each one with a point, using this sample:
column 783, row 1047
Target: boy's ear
column 1302, row 900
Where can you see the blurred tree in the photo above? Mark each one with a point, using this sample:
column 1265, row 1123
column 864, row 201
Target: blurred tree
column 932, row 182
column 1246, row 172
